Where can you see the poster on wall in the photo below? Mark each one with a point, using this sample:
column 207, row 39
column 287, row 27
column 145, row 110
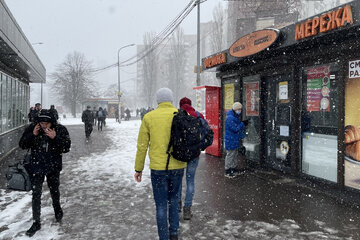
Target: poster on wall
column 252, row 98
column 318, row 89
column 352, row 132
column 228, row 96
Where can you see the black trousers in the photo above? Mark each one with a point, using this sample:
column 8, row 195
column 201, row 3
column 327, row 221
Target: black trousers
column 53, row 181
column 88, row 129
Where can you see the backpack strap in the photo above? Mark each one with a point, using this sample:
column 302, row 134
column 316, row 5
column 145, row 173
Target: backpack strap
column 169, row 146
column 198, row 114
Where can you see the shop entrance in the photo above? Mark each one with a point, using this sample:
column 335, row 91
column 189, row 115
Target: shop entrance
column 277, row 122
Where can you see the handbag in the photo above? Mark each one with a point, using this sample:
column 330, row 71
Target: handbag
column 17, row 176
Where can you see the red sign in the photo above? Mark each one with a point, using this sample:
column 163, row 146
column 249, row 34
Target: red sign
column 252, row 98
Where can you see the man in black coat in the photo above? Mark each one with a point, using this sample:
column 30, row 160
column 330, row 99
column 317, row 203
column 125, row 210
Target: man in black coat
column 88, row 118
column 47, row 140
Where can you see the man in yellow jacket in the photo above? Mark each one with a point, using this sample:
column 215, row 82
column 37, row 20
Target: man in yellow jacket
column 154, row 134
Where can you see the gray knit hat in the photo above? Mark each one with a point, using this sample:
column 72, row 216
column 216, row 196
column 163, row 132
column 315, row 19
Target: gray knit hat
column 164, row 95
column 237, row 106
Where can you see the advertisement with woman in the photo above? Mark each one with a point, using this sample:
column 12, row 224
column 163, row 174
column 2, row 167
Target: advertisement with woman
column 352, row 130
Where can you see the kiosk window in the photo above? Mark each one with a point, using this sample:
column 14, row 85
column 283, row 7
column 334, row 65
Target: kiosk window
column 320, row 99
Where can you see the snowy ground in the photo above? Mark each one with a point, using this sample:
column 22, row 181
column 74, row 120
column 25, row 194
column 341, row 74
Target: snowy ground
column 101, row 200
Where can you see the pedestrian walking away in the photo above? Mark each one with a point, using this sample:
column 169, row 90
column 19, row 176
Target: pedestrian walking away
column 94, row 115
column 185, row 103
column 54, row 112
column 154, row 133
column 47, row 140
column 234, row 133
column 87, row 119
column 101, row 117
column 34, row 112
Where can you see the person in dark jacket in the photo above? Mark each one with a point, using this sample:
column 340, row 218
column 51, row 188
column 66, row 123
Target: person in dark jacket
column 101, row 118
column 234, row 133
column 127, row 112
column 47, row 140
column 54, row 112
column 88, row 120
column 34, row 112
column 185, row 103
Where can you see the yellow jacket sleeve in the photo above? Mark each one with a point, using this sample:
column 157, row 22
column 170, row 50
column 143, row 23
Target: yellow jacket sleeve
column 142, row 145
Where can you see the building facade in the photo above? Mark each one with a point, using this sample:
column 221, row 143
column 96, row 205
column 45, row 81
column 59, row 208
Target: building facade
column 19, row 65
column 299, row 87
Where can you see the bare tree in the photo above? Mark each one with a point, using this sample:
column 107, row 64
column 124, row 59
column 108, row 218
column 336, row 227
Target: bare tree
column 73, row 80
column 217, row 40
column 176, row 64
column 149, row 66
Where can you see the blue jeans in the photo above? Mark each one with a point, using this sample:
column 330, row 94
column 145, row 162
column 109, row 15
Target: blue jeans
column 190, row 182
column 166, row 185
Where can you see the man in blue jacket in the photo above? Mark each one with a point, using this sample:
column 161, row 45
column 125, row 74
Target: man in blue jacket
column 234, row 133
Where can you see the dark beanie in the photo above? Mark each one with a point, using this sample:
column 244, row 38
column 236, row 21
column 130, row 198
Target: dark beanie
column 185, row 100
column 45, row 116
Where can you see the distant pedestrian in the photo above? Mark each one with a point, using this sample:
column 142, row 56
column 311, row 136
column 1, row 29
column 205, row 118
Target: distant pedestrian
column 185, row 103
column 88, row 120
column 142, row 113
column 105, row 116
column 94, row 112
column 127, row 114
column 54, row 112
column 34, row 112
column 117, row 114
column 47, row 140
column 100, row 117
column 234, row 133
column 154, row 134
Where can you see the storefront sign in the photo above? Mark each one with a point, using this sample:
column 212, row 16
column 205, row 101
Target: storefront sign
column 229, row 96
column 215, row 60
column 326, row 22
column 253, row 43
column 252, row 98
column 318, row 89
column 283, row 91
column 354, row 69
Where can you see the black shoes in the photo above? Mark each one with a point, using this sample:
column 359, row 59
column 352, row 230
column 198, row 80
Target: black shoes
column 187, row 213
column 174, row 237
column 59, row 215
column 34, row 228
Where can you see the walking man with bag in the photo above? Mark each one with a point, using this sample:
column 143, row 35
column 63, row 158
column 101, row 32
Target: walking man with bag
column 154, row 133
column 234, row 133
column 47, row 140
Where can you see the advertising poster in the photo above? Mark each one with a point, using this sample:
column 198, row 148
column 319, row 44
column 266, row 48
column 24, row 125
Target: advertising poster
column 318, row 89
column 252, row 98
column 352, row 132
column 228, row 96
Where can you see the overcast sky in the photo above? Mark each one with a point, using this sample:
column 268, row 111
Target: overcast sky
column 98, row 28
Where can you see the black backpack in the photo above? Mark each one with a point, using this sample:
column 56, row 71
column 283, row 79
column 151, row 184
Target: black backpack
column 207, row 134
column 185, row 137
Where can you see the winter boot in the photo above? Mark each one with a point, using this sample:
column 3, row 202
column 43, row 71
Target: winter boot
column 174, row 237
column 187, row 213
column 180, row 205
column 59, row 214
column 229, row 173
column 34, row 228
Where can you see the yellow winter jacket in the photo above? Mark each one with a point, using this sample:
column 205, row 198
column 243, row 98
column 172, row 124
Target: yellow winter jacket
column 155, row 133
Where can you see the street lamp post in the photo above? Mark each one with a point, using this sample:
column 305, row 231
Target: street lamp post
column 119, row 93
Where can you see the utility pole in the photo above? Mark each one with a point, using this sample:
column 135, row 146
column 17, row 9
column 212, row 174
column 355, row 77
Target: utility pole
column 198, row 45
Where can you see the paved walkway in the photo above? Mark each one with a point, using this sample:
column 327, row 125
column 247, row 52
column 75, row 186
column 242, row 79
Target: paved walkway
column 255, row 205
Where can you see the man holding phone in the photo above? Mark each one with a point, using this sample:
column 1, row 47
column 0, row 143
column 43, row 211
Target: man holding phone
column 47, row 140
